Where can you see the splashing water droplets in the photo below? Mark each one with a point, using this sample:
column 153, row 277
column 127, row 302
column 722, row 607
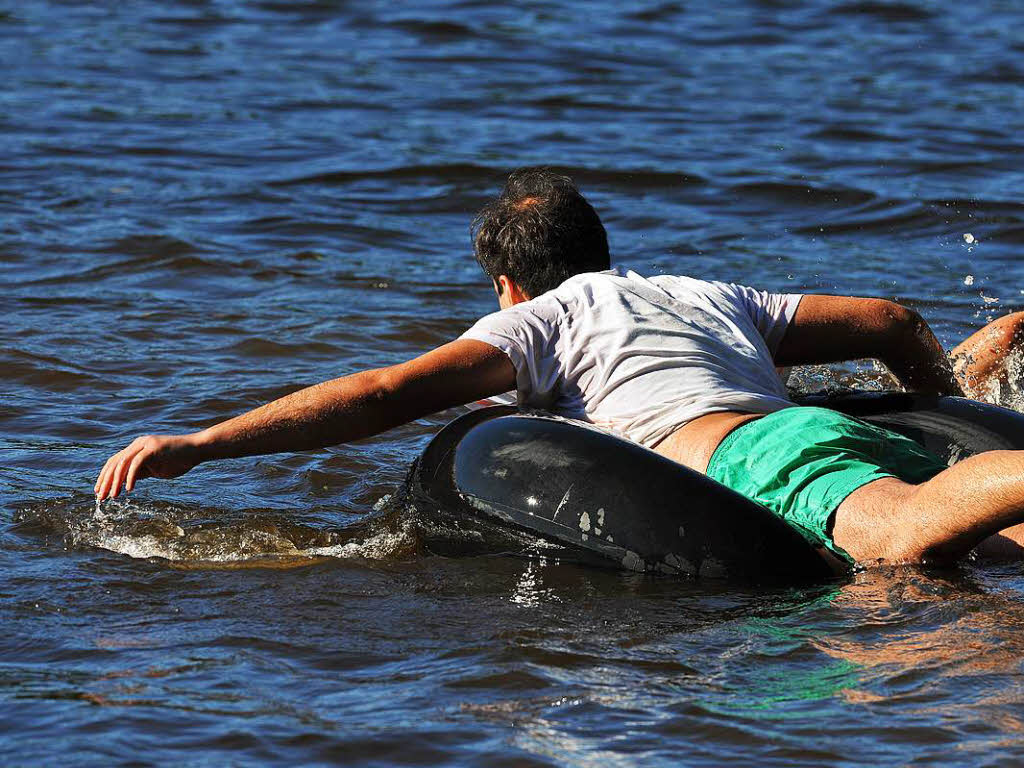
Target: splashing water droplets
column 211, row 536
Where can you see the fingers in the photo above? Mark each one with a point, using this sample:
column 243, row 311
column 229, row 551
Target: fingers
column 104, row 484
column 102, row 478
column 115, row 471
column 105, row 487
column 133, row 469
column 120, row 470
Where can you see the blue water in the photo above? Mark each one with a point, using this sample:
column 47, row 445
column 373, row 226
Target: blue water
column 204, row 205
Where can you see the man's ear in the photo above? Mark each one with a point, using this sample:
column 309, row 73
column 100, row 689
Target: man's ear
column 508, row 289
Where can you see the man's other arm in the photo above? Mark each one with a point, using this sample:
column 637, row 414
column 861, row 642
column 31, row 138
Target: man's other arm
column 332, row 412
column 829, row 329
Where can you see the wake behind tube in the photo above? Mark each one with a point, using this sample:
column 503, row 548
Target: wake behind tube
column 604, row 500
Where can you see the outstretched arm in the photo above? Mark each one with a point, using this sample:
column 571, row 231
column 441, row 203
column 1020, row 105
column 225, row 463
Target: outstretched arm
column 828, row 329
column 329, row 413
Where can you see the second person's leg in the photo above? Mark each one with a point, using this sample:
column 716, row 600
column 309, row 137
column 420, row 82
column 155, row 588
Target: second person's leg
column 980, row 361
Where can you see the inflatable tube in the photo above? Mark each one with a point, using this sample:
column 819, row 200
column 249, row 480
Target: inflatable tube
column 951, row 427
column 605, row 500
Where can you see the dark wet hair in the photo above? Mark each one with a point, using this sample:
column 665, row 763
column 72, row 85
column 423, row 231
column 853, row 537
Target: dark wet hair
column 539, row 232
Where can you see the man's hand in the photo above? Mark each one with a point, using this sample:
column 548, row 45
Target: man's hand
column 163, row 456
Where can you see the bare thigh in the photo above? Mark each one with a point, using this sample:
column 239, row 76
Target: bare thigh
column 867, row 521
column 978, row 501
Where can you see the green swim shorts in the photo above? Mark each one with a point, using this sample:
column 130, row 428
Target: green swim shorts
column 802, row 462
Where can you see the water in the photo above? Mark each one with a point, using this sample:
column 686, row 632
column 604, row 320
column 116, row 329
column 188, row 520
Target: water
column 204, row 205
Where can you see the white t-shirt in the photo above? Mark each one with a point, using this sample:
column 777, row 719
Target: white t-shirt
column 643, row 356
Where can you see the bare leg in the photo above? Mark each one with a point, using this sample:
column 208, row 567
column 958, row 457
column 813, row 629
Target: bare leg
column 939, row 520
column 980, row 360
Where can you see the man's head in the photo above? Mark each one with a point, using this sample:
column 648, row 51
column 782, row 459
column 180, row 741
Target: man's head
column 537, row 233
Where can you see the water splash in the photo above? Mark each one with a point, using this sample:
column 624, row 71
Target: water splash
column 400, row 527
column 1006, row 388
column 201, row 535
column 864, row 375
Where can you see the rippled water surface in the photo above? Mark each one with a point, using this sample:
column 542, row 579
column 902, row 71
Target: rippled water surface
column 204, row 205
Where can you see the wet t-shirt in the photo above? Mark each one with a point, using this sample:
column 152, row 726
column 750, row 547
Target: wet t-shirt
column 644, row 356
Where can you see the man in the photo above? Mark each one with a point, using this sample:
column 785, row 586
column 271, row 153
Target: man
column 682, row 366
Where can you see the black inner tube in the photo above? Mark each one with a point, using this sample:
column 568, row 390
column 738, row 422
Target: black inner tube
column 604, row 500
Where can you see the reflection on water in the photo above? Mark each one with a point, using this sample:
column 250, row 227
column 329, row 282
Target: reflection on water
column 974, row 632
